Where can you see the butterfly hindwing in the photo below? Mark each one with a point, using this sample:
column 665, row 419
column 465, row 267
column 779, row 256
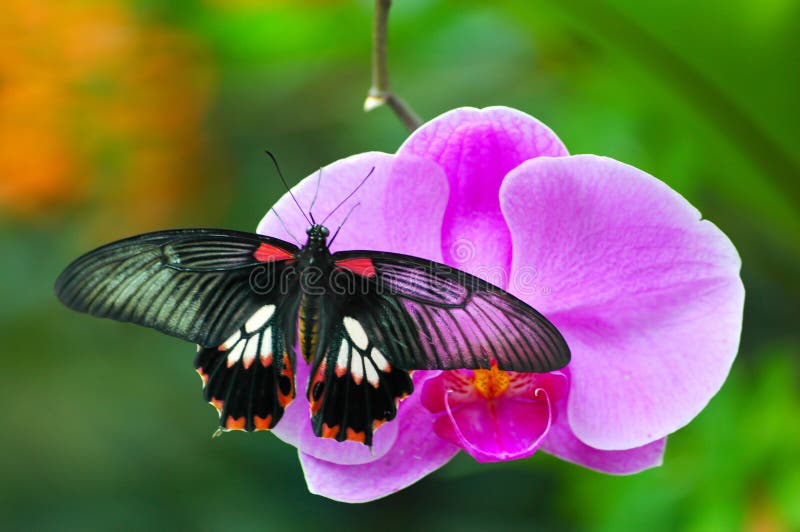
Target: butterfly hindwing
column 196, row 284
column 249, row 378
column 353, row 387
column 427, row 315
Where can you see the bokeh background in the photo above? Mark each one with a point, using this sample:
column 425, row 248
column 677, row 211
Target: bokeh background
column 123, row 116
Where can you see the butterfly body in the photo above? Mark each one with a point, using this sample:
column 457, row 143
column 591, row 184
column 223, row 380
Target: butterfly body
column 362, row 321
column 315, row 266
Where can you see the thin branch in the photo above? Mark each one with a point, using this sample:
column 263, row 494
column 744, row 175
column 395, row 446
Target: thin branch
column 380, row 92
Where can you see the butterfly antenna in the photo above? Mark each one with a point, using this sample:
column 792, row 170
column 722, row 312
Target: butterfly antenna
column 285, row 184
column 348, row 197
column 285, row 228
column 316, row 193
column 343, row 221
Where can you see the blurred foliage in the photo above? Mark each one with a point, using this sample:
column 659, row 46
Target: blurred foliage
column 122, row 116
column 95, row 115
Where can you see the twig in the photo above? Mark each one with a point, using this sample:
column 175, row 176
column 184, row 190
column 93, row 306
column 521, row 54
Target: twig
column 380, row 92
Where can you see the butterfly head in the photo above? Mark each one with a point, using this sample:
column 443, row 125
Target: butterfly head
column 317, row 235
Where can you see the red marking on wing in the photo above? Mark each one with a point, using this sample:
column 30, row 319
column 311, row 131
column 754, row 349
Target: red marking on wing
column 318, row 380
column 263, row 423
column 352, row 435
column 287, row 371
column 217, row 403
column 235, row 423
column 269, row 253
column 329, row 432
column 359, row 266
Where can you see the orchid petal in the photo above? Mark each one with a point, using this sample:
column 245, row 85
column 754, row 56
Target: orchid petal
column 647, row 295
column 476, row 149
column 400, row 206
column 561, row 442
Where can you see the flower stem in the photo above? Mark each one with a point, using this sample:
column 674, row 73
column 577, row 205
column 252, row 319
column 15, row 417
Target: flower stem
column 380, row 92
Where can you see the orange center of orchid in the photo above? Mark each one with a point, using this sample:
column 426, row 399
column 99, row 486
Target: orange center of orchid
column 491, row 382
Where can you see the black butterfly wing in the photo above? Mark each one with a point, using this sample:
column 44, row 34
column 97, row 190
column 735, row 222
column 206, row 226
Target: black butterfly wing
column 197, row 284
column 353, row 388
column 249, row 378
column 426, row 315
column 235, row 294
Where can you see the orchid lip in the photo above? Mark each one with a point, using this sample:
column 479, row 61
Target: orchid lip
column 484, row 456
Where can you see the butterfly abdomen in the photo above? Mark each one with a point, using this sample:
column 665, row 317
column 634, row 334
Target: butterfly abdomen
column 309, row 325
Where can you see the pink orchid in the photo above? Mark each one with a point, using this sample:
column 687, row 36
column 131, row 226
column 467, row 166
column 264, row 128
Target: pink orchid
column 646, row 293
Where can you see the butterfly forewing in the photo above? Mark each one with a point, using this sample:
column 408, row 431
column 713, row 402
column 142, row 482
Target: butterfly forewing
column 195, row 284
column 430, row 316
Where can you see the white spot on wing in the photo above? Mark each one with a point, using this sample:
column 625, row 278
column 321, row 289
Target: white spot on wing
column 356, row 332
column 259, row 318
column 250, row 351
column 380, row 361
column 266, row 347
column 344, row 352
column 232, row 340
column 357, row 369
column 236, row 353
column 372, row 375
column 266, row 342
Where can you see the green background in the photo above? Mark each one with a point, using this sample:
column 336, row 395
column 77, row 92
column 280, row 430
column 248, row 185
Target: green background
column 160, row 112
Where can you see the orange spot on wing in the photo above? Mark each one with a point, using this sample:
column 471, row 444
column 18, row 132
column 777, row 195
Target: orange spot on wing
column 356, row 436
column 319, row 376
column 235, row 423
column 203, row 376
column 266, row 360
column 269, row 253
column 330, row 432
column 359, row 266
column 262, row 423
column 217, row 404
column 287, row 372
column 377, row 423
column 284, row 400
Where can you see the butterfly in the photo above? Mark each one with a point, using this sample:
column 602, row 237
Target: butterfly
column 362, row 320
